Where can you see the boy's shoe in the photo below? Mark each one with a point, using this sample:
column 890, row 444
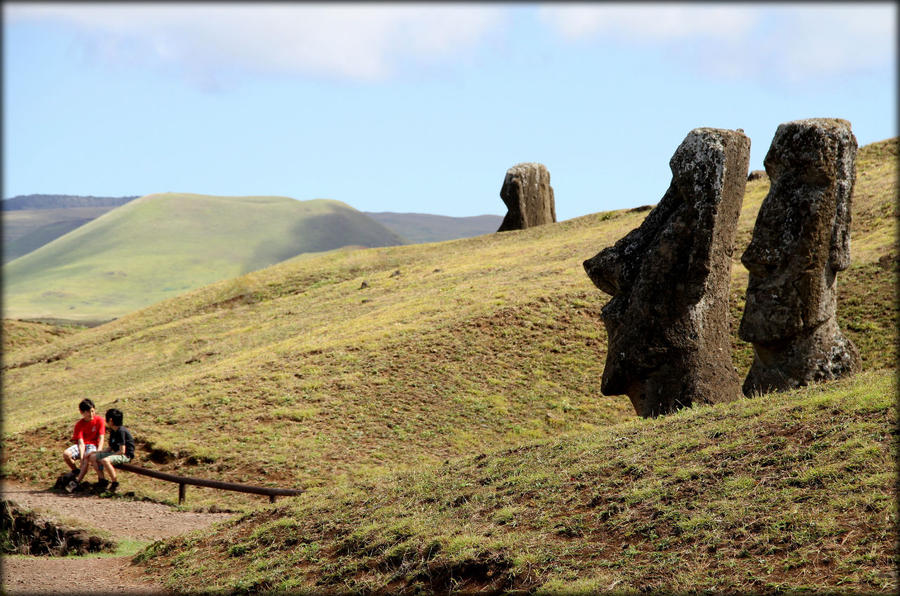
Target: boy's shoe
column 101, row 485
column 73, row 484
column 113, row 486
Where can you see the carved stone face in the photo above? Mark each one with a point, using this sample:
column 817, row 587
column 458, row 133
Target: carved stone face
column 668, row 278
column 801, row 236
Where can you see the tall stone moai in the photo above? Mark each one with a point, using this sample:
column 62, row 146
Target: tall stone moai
column 668, row 321
column 528, row 197
column 801, row 239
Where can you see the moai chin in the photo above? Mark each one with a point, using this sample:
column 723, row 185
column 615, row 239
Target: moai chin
column 528, row 196
column 668, row 321
column 801, row 239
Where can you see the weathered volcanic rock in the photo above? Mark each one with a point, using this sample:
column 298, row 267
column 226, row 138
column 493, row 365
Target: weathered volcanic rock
column 528, row 196
column 667, row 321
column 801, row 239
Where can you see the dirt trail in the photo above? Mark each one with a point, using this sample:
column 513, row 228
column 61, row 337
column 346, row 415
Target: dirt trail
column 136, row 520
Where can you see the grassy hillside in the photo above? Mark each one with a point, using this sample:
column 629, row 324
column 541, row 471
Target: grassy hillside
column 420, row 227
column 25, row 230
column 162, row 245
column 31, row 221
column 329, row 377
column 22, row 334
column 329, row 371
column 780, row 493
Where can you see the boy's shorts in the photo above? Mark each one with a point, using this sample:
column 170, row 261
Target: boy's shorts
column 114, row 458
column 88, row 449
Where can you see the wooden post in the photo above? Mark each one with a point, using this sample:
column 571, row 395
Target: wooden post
column 182, row 488
column 271, row 498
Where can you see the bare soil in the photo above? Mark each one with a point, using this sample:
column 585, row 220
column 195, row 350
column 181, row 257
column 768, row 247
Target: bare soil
column 122, row 518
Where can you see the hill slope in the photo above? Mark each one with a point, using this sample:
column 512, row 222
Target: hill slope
column 32, row 221
column 162, row 245
column 29, row 229
column 23, row 334
column 779, row 493
column 422, row 227
column 330, row 378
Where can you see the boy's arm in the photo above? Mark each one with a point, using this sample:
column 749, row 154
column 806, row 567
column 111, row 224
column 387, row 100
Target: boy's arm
column 80, row 447
column 102, row 434
column 120, row 438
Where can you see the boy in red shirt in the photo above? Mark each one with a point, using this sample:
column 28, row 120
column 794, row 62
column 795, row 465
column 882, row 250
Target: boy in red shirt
column 89, row 433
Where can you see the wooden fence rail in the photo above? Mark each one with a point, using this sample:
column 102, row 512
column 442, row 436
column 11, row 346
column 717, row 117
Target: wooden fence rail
column 183, row 481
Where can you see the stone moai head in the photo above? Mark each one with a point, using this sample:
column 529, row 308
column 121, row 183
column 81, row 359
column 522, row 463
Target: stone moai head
column 801, row 239
column 667, row 321
column 528, row 196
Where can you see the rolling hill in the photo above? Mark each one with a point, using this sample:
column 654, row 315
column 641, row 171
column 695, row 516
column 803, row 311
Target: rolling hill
column 32, row 221
column 441, row 405
column 162, row 245
column 422, row 227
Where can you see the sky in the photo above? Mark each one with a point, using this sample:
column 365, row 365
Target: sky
column 420, row 107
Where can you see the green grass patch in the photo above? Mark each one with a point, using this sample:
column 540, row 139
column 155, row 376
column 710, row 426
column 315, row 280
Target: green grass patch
column 809, row 506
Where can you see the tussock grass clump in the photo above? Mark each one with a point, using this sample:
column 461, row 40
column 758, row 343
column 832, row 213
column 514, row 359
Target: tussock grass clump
column 790, row 491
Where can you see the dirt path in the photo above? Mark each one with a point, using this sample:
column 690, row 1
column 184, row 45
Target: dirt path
column 136, row 520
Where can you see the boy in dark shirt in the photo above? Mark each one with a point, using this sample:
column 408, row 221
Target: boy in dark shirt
column 121, row 445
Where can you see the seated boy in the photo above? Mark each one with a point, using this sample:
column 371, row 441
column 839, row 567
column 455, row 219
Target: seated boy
column 89, row 433
column 121, row 445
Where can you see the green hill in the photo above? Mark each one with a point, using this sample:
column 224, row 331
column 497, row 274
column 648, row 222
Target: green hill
column 31, row 221
column 422, row 227
column 379, row 398
column 162, row 245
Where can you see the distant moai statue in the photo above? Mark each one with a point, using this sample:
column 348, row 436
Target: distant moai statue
column 668, row 322
column 528, row 197
column 801, row 239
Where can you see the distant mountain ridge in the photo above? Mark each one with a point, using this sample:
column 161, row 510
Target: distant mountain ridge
column 424, row 227
column 31, row 221
column 165, row 244
column 38, row 201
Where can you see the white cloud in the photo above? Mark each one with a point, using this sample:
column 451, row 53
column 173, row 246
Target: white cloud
column 358, row 41
column 794, row 43
column 647, row 22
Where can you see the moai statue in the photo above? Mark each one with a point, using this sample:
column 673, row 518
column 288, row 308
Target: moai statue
column 528, row 197
column 668, row 322
column 801, row 239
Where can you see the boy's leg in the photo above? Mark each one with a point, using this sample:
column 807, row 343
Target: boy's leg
column 110, row 469
column 85, row 463
column 95, row 463
column 67, row 457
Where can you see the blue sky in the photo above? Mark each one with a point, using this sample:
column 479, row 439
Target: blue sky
column 420, row 108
